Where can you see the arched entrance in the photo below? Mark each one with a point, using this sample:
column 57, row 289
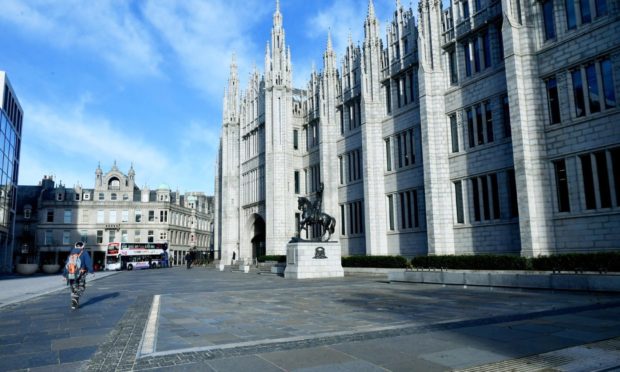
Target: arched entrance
column 257, row 239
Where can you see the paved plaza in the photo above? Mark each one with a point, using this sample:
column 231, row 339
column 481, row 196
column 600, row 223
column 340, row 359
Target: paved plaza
column 206, row 320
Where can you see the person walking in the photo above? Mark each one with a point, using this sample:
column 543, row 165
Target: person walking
column 78, row 264
column 188, row 260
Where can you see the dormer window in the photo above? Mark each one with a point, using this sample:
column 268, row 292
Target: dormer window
column 27, row 211
column 59, row 196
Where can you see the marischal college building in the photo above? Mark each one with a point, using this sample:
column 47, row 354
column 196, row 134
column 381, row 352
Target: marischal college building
column 485, row 127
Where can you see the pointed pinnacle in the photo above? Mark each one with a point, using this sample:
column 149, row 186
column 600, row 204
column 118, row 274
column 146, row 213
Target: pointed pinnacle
column 371, row 9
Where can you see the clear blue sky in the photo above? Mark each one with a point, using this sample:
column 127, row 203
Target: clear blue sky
column 142, row 81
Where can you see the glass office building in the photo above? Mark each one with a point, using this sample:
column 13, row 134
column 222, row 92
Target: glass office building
column 11, row 118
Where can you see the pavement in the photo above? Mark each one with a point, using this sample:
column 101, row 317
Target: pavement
column 206, row 320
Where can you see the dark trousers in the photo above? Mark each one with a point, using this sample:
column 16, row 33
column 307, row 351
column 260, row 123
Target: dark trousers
column 77, row 286
column 189, row 264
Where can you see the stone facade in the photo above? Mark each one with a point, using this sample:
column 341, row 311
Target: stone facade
column 52, row 217
column 486, row 127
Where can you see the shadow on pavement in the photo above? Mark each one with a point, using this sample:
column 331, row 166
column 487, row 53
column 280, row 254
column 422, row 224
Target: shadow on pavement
column 94, row 300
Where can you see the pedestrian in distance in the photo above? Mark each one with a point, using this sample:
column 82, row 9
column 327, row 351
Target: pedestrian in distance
column 78, row 264
column 188, row 260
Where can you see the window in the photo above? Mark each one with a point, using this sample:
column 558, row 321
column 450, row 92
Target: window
column 588, row 181
column 571, row 18
column 479, row 125
column 470, row 127
column 495, row 195
column 151, row 216
column 603, row 179
column 124, row 236
column 163, row 216
column 136, row 236
column 477, row 55
column 150, row 236
column 615, row 160
column 50, row 215
column 112, row 217
column 388, row 154
column 506, row 116
column 452, row 61
column 549, row 25
column 601, row 7
column 467, row 59
column 608, row 84
column 138, row 214
column 84, row 236
column 586, row 15
column 488, row 117
column 342, row 219
column 465, row 9
column 593, row 93
column 297, row 185
column 512, row 193
column 454, row 134
column 553, row 101
column 580, row 109
column 125, row 216
column 125, row 197
column 99, row 236
column 295, row 139
column 341, row 169
column 47, row 238
column 101, row 196
column 113, row 196
column 388, row 98
column 486, row 49
column 66, row 237
column 111, row 236
column 391, row 212
column 476, row 198
column 27, row 212
column 100, row 215
column 67, row 217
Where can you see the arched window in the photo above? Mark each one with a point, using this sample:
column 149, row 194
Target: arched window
column 114, row 184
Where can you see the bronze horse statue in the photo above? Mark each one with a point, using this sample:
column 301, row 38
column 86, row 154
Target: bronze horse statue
column 311, row 215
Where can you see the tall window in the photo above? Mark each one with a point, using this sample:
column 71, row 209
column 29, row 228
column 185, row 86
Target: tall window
column 125, row 216
column 470, row 127
column 477, row 54
column 342, row 219
column 99, row 236
column 467, row 59
column 297, row 182
column 479, row 125
column 112, row 217
column 553, row 101
column 138, row 214
column 486, row 49
column 586, row 15
column 111, row 236
column 388, row 154
column 151, row 216
column 488, row 117
column 388, row 97
column 50, row 215
column 603, row 179
column 452, row 61
column 66, row 237
column 47, row 238
column 601, row 7
column 506, row 116
column 295, row 139
column 124, row 238
column 390, row 212
column 580, row 109
column 67, row 217
column 100, row 216
column 476, row 198
column 458, row 197
column 608, row 84
column 588, row 181
column 150, row 237
column 163, row 216
column 593, row 92
column 615, row 160
column 512, row 193
column 571, row 18
column 84, row 236
column 549, row 25
column 454, row 133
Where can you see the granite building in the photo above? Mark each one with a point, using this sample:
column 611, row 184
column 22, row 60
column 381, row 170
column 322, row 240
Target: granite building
column 52, row 217
column 484, row 126
column 11, row 119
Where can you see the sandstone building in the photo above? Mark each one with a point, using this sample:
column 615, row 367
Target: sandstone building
column 485, row 127
column 52, row 217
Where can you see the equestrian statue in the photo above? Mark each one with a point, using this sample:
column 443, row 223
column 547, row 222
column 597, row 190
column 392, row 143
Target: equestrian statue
column 312, row 216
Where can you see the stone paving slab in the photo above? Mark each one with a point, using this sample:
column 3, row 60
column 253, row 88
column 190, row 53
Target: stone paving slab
column 222, row 321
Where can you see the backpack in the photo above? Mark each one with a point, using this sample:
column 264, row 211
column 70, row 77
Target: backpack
column 73, row 265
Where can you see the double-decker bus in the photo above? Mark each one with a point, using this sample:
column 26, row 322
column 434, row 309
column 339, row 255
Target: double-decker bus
column 129, row 256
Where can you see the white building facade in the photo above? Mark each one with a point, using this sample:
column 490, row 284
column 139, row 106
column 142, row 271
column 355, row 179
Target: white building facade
column 487, row 127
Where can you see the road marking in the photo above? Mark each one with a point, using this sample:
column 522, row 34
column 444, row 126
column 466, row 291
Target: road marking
column 150, row 333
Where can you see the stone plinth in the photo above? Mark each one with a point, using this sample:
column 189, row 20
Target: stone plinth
column 307, row 260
